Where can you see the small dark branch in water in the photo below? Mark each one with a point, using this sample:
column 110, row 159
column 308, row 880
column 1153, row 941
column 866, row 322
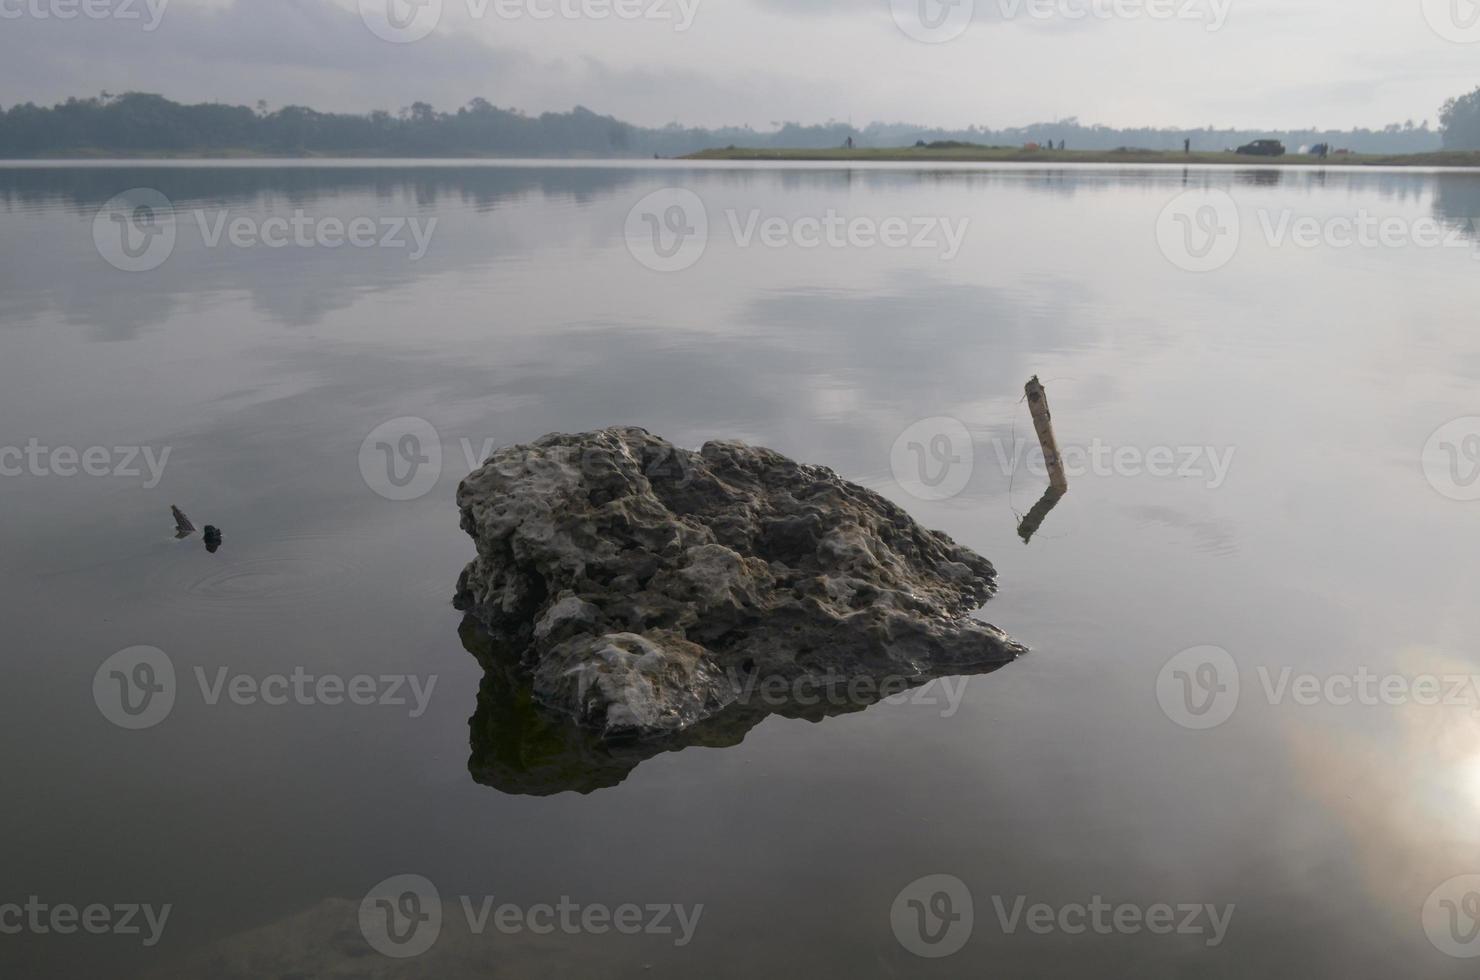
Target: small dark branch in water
column 1034, row 520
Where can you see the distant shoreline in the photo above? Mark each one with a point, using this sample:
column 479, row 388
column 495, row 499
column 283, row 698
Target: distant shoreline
column 1456, row 159
column 994, row 154
column 105, row 156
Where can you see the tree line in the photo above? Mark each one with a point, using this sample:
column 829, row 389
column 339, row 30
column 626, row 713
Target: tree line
column 1460, row 119
column 142, row 124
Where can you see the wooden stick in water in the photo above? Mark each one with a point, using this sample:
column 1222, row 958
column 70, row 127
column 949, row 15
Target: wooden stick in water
column 1043, row 422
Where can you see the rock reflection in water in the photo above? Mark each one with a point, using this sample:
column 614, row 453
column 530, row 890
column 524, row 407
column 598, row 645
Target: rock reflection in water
column 524, row 749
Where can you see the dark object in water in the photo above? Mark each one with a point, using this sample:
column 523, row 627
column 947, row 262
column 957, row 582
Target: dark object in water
column 644, row 587
column 183, row 527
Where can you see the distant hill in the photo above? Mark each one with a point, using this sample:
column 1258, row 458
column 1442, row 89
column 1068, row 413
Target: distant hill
column 139, row 124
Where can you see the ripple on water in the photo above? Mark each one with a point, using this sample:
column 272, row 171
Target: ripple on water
column 292, row 572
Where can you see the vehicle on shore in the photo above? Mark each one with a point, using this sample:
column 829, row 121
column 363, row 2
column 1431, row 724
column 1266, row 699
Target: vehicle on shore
column 1262, row 148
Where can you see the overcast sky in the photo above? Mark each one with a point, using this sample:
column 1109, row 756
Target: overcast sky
column 1249, row 63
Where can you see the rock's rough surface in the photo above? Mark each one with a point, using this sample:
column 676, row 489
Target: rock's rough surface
column 649, row 585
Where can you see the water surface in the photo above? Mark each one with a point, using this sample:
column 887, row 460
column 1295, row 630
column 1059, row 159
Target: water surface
column 1323, row 547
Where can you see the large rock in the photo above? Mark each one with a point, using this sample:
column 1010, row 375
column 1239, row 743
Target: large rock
column 648, row 587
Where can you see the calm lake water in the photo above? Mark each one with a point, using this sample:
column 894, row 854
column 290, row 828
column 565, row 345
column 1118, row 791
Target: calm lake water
column 1249, row 473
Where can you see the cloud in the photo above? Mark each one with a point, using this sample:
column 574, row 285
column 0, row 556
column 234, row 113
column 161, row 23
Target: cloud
column 759, row 61
column 287, row 51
